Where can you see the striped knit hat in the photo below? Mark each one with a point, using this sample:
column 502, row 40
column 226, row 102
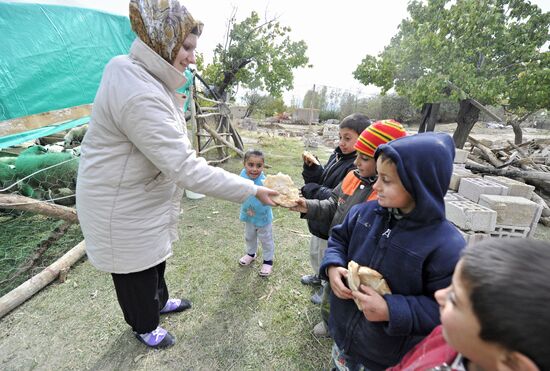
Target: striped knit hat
column 378, row 133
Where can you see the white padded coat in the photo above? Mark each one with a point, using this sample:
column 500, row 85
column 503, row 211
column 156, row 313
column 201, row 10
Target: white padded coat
column 135, row 159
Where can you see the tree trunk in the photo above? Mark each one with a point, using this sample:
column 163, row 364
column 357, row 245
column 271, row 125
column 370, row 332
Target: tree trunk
column 468, row 115
column 229, row 77
column 518, row 133
column 430, row 112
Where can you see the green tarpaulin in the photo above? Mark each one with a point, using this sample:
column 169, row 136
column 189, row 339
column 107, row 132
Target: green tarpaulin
column 15, row 139
column 52, row 57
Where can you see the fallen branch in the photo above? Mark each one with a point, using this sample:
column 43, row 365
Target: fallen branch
column 30, row 287
column 12, row 201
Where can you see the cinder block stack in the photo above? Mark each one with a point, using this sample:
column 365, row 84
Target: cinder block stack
column 490, row 206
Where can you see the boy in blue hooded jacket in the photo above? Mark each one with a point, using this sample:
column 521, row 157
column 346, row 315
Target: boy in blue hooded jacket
column 403, row 235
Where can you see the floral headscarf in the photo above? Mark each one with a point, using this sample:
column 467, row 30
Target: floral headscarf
column 163, row 25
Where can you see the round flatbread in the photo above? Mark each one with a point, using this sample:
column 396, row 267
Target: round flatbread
column 310, row 157
column 282, row 183
column 369, row 277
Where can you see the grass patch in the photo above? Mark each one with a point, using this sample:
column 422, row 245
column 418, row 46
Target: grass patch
column 239, row 320
column 21, row 235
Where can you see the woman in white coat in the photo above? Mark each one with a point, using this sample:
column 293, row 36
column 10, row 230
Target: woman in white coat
column 135, row 161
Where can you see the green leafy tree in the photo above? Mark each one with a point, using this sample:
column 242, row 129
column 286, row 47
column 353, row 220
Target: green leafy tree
column 253, row 100
column 273, row 106
column 312, row 99
column 255, row 55
column 492, row 51
column 265, row 104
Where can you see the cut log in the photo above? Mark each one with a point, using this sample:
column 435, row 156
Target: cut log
column 30, row 287
column 12, row 201
column 511, row 173
column 490, row 156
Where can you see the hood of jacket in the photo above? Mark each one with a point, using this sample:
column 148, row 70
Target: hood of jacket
column 424, row 164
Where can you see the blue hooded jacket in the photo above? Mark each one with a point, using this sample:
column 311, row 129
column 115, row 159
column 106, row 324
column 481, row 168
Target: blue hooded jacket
column 262, row 214
column 416, row 254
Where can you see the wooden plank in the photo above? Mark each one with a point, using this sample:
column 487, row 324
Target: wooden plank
column 486, row 110
column 26, row 123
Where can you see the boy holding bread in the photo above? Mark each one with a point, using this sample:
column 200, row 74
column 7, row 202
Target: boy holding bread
column 405, row 237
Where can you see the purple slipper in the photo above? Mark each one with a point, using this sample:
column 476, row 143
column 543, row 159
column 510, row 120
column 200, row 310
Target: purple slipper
column 175, row 305
column 157, row 339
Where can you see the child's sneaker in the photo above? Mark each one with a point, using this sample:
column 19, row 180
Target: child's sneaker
column 157, row 339
column 175, row 305
column 247, row 259
column 266, row 270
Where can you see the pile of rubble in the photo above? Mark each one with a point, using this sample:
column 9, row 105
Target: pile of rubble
column 484, row 203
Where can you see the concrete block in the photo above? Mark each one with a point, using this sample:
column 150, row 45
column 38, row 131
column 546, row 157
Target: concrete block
column 458, row 174
column 468, row 215
column 515, row 188
column 473, row 237
column 535, row 222
column 472, row 188
column 512, row 210
column 461, row 155
column 510, row 231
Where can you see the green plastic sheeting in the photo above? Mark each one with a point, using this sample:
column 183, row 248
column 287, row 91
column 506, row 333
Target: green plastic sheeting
column 52, row 57
column 16, row 139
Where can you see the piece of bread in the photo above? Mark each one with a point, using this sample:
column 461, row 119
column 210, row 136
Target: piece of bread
column 310, row 157
column 369, row 277
column 288, row 193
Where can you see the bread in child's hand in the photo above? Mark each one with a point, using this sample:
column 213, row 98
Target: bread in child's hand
column 358, row 275
column 309, row 157
column 288, row 193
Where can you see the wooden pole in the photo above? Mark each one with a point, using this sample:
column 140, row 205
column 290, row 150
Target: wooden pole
column 193, row 120
column 30, row 287
column 12, row 201
column 223, row 140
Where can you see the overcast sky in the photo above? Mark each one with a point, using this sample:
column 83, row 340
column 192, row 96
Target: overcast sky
column 338, row 33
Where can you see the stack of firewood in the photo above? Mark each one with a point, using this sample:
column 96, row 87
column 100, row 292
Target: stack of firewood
column 528, row 162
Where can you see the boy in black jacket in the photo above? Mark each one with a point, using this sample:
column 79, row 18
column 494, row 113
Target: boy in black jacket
column 319, row 183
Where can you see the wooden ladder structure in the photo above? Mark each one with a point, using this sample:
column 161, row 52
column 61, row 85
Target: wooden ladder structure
column 211, row 126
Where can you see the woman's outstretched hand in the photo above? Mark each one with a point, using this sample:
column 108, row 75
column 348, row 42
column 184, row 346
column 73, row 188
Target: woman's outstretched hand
column 263, row 194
